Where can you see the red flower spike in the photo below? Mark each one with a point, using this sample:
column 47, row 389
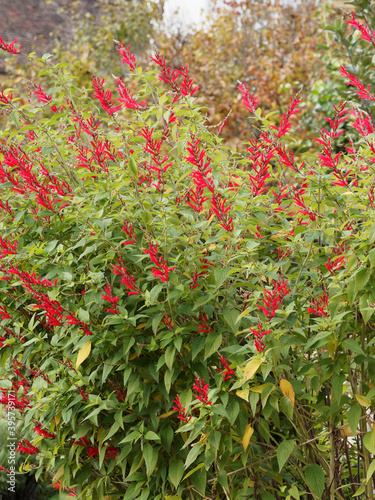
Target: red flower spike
column 105, row 97
column 9, row 47
column 226, row 370
column 197, row 157
column 25, row 446
column 168, row 321
column 202, row 390
column 274, row 298
column 127, row 98
column 365, row 32
column 127, row 57
column 162, row 270
column 111, row 299
column 126, row 279
column 4, row 313
column 249, row 100
column 319, row 305
column 41, row 95
column 219, row 209
column 38, row 429
column 58, row 486
column 181, row 411
column 259, row 334
column 72, row 320
column 337, row 262
column 204, row 327
column 355, row 81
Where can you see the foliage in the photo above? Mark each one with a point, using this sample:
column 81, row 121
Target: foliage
column 181, row 319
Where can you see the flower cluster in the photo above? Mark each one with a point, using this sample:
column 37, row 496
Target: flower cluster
column 274, row 298
column 202, row 389
column 162, row 270
column 259, row 334
column 181, row 411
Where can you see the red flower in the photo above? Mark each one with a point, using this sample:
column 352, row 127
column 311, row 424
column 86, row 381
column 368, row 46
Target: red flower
column 181, row 411
column 57, row 486
column 259, row 337
column 9, row 47
column 25, row 446
column 105, row 97
column 129, row 230
column 249, row 100
column 72, row 320
column 38, row 429
column 365, row 32
column 274, row 298
column 111, row 299
column 226, row 371
column 162, row 270
column 319, row 305
column 127, row 56
column 126, row 279
column 202, row 390
column 362, row 92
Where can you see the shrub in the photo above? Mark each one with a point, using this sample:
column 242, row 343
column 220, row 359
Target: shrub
column 180, row 319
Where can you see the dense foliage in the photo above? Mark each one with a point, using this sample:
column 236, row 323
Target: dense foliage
column 180, row 319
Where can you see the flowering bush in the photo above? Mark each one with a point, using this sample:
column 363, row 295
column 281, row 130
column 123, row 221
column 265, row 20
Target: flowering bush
column 179, row 319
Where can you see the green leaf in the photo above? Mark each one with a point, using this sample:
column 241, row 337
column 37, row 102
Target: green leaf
column 150, row 454
column 352, row 345
column 372, row 257
column 371, row 234
column 213, row 343
column 361, row 279
column 156, row 321
column 231, row 317
column 370, row 471
column 315, row 477
column 353, row 416
column 133, row 168
column 175, row 473
column 192, row 455
column 152, row 436
column 199, row 480
column 284, row 451
column 369, row 441
column 359, row 491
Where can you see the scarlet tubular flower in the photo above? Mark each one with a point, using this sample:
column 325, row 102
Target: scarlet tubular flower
column 105, row 97
column 41, row 95
column 159, row 164
column 162, row 270
column 38, row 429
column 226, row 370
column 83, row 393
column 219, row 209
column 337, row 263
column 93, row 451
column 9, row 47
column 274, row 298
column 5, row 98
column 260, row 155
column 4, row 313
column 249, row 100
column 127, row 98
column 204, row 327
column 196, row 199
column 126, row 279
column 363, row 123
column 120, row 392
column 355, row 81
column 24, row 446
column 259, row 334
column 365, row 32
column 72, row 320
column 58, row 486
column 197, row 157
column 129, row 230
column 202, row 390
column 7, row 248
column 111, row 299
column 319, row 305
column 186, row 87
column 127, row 57
column 285, row 124
column 181, row 411
column 168, row 321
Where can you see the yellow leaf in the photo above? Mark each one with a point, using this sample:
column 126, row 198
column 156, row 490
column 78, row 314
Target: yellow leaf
column 247, row 436
column 346, row 431
column 362, row 400
column 260, row 388
column 59, row 474
column 133, row 356
column 287, row 389
column 58, row 418
column 244, row 394
column 142, row 325
column 211, row 247
column 251, row 368
column 83, row 353
column 165, row 415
